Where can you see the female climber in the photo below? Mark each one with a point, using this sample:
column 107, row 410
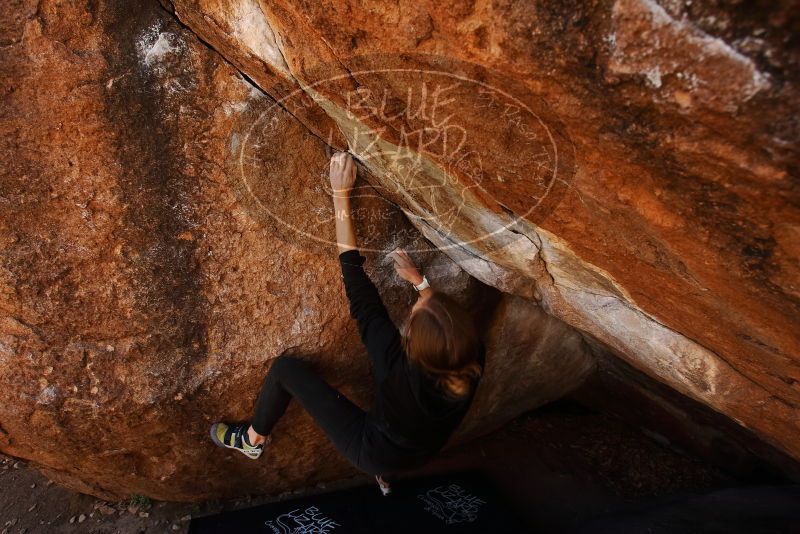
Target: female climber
column 425, row 376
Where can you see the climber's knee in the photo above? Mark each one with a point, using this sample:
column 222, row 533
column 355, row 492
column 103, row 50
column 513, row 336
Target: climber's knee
column 284, row 364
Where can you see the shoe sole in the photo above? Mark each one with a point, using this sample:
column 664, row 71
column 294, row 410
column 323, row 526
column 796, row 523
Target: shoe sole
column 220, row 444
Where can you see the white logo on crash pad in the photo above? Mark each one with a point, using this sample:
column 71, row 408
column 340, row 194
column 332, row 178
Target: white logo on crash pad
column 299, row 521
column 452, row 504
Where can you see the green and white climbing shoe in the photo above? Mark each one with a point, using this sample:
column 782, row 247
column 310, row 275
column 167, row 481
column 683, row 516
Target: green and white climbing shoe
column 235, row 437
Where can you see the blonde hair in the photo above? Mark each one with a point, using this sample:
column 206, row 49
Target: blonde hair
column 442, row 339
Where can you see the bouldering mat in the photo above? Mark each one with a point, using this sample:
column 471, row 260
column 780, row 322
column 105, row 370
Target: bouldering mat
column 458, row 503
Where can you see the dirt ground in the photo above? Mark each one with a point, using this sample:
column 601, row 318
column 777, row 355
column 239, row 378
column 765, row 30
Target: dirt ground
column 557, row 466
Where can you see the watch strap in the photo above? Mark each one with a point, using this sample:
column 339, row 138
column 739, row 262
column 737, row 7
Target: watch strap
column 422, row 285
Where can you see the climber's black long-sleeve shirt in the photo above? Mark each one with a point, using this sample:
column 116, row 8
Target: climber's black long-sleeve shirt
column 410, row 410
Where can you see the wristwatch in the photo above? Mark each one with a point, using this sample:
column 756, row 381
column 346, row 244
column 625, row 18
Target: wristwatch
column 422, row 285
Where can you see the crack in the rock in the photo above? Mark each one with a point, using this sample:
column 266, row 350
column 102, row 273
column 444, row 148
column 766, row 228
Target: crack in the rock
column 278, row 40
column 679, row 334
column 635, row 309
column 246, row 77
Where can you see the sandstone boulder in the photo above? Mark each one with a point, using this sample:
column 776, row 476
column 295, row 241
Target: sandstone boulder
column 151, row 268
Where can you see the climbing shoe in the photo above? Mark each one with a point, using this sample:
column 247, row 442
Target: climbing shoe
column 235, row 437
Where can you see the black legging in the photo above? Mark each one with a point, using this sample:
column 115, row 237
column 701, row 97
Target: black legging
column 343, row 422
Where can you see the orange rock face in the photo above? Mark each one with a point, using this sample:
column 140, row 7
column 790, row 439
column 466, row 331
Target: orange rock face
column 625, row 172
column 165, row 232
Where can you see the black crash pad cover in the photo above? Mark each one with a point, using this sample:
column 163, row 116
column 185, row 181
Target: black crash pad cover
column 453, row 503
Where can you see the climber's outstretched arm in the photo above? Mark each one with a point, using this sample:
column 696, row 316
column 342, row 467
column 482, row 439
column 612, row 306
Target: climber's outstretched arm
column 343, row 176
column 377, row 331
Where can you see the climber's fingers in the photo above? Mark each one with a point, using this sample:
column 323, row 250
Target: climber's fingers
column 342, row 172
column 405, row 266
column 401, row 258
column 349, row 168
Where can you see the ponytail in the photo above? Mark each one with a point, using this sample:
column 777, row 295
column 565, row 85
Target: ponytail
column 442, row 339
column 460, row 383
